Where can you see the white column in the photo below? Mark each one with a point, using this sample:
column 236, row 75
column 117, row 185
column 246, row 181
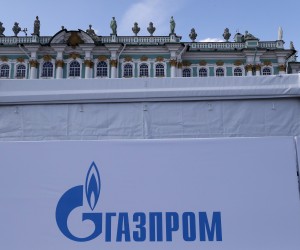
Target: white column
column 59, row 71
column 113, row 64
column 282, row 69
column 33, row 71
column 257, row 70
column 248, row 69
column 173, row 64
column 179, row 70
column 88, row 68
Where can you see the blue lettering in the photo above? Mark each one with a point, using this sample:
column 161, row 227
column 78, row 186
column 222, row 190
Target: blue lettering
column 123, row 227
column 172, row 224
column 189, row 226
column 108, row 226
column 156, row 227
column 216, row 227
column 139, row 235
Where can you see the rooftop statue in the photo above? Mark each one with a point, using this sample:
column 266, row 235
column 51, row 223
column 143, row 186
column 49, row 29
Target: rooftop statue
column 16, row 29
column 151, row 29
column 1, row 29
column 113, row 26
column 193, row 35
column 172, row 25
column 292, row 46
column 249, row 36
column 136, row 29
column 280, row 34
column 226, row 34
column 36, row 26
column 92, row 33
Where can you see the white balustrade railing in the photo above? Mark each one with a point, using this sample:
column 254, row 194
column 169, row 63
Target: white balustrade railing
column 12, row 40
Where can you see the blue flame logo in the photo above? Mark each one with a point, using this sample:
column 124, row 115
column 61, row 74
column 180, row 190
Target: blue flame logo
column 73, row 198
column 92, row 186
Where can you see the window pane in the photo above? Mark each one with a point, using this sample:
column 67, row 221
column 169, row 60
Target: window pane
column 102, row 70
column 74, row 69
column 186, row 73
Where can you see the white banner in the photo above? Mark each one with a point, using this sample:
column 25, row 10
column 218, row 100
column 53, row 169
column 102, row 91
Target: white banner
column 150, row 194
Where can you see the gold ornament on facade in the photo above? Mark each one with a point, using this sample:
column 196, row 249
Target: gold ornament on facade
column 102, row 58
column 173, row 62
column 186, row 63
column 267, row 63
column 113, row 63
column 144, row 58
column 59, row 63
column 202, row 63
column 180, row 64
column 89, row 63
column 282, row 67
column 219, row 63
column 257, row 67
column 248, row 67
column 159, row 59
column 33, row 63
column 238, row 63
column 47, row 58
column 74, row 55
column 74, row 40
column 4, row 59
column 20, row 59
column 128, row 59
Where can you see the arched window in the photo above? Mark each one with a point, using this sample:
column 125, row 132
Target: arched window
column 144, row 72
column 186, row 73
column 266, row 71
column 102, row 69
column 159, row 70
column 237, row 72
column 128, row 70
column 74, row 70
column 4, row 71
column 202, row 72
column 47, row 69
column 21, row 71
column 219, row 72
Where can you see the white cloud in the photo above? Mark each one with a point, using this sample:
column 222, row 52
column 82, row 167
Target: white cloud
column 157, row 11
column 212, row 40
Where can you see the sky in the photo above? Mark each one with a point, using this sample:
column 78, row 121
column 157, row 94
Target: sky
column 261, row 18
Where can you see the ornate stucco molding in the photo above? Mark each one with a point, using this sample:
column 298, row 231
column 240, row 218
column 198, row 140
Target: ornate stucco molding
column 59, row 63
column 219, row 63
column 47, row 58
column 248, row 67
column 282, row 67
column 202, row 63
column 89, row 63
column 33, row 63
column 102, row 58
column 113, row 63
column 173, row 62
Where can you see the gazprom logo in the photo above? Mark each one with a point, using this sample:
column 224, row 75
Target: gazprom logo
column 135, row 226
column 73, row 198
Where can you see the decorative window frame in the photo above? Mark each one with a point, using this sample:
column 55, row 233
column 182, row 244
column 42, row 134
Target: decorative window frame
column 25, row 63
column 69, row 61
column 9, row 71
column 154, row 69
column 220, row 67
column 95, row 68
column 149, row 68
column 267, row 67
column 133, row 69
column 203, row 67
column 238, row 67
column 189, row 68
column 41, row 63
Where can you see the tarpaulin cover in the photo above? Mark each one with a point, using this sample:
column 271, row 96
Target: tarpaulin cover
column 98, row 109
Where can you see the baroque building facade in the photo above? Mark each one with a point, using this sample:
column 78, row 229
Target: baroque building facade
column 73, row 54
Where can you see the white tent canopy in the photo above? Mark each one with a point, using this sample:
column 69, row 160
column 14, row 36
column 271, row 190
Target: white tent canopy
column 97, row 109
